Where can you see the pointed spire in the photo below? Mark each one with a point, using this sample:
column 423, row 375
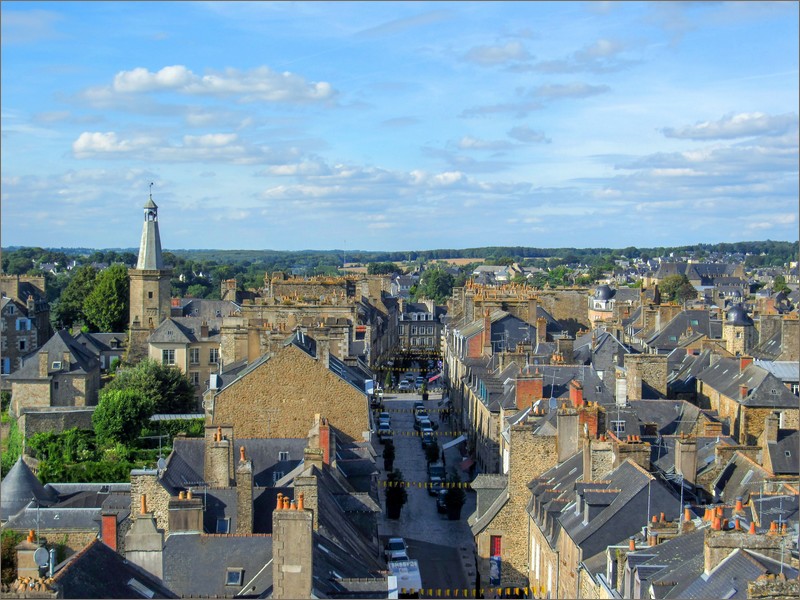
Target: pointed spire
column 150, row 246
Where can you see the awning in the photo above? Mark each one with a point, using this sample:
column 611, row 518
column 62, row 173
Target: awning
column 454, row 442
column 466, row 464
column 435, row 377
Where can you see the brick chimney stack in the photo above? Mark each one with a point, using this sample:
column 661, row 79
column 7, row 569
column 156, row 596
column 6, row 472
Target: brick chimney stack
column 541, row 330
column 576, row 393
column 744, row 361
column 529, row 388
column 244, row 494
column 487, row 333
column 44, row 364
column 292, row 552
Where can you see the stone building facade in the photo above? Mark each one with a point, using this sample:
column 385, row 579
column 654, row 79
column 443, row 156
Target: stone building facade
column 278, row 395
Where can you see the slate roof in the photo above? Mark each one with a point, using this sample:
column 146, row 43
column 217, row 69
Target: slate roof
column 102, row 342
column 82, row 361
column 684, row 376
column 19, row 487
column 769, row 349
column 65, row 519
column 785, row 370
column 185, row 330
column 785, row 453
column 625, row 515
column 677, row 329
column 740, row 477
column 730, row 577
column 97, row 571
column 196, row 564
column 764, row 389
column 209, row 309
column 583, row 352
column 663, row 560
column 775, row 507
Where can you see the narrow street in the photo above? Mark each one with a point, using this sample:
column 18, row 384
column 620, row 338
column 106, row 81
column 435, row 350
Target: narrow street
column 442, row 547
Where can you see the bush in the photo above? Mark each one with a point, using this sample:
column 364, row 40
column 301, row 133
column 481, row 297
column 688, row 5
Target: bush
column 167, row 387
column 8, row 556
column 396, row 495
column 121, row 415
column 13, row 448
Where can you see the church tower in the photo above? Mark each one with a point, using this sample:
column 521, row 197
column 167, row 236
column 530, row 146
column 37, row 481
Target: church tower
column 150, row 286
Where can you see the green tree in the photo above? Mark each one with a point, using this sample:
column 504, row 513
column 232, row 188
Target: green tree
column 779, row 284
column 396, row 495
column 436, row 284
column 68, row 310
column 676, row 288
column 455, row 497
column 169, row 390
column 382, row 268
column 121, row 414
column 107, row 306
column 8, row 555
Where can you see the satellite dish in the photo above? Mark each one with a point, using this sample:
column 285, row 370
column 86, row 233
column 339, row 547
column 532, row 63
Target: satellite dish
column 41, row 557
column 553, row 404
column 161, row 464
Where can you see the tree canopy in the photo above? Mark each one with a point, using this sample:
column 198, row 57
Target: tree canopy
column 676, row 288
column 68, row 310
column 107, row 306
column 436, row 284
column 166, row 387
column 121, row 414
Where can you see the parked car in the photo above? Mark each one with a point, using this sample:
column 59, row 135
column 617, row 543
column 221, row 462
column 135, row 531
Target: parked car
column 404, row 386
column 384, row 417
column 418, row 405
column 427, row 437
column 396, row 549
column 441, row 503
column 384, row 432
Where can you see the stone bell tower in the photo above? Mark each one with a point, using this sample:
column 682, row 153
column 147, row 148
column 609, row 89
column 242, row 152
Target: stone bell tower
column 149, row 288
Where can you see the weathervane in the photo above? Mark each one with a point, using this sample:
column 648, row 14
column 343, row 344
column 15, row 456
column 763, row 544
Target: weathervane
column 151, row 190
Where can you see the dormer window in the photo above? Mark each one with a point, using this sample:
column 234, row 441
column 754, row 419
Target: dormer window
column 224, row 525
column 233, row 576
column 283, row 455
column 56, row 365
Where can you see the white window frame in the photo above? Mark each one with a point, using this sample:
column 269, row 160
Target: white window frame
column 283, row 455
column 194, row 356
column 213, row 356
column 168, row 357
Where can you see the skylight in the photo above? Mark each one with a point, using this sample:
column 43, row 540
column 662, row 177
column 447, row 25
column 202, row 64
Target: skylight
column 141, row 588
column 233, row 577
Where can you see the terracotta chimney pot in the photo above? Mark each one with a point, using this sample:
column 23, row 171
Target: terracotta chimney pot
column 720, row 511
column 631, row 544
column 280, row 501
column 739, row 507
column 219, row 433
column 687, row 514
column 188, row 494
column 286, row 503
column 655, row 519
column 736, row 524
column 724, row 523
column 752, row 528
column 241, row 454
column 783, row 529
column 300, row 505
column 143, row 504
column 181, row 495
column 31, row 535
column 716, row 524
column 662, row 519
column 773, row 527
column 293, row 505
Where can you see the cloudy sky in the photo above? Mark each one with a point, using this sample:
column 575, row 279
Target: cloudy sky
column 402, row 125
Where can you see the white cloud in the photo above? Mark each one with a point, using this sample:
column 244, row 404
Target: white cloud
column 569, row 90
column 734, row 126
column 261, row 84
column 470, row 143
column 29, row 26
column 490, row 56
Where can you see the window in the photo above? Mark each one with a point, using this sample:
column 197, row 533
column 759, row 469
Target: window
column 23, row 325
column 11, row 309
column 283, row 455
column 168, row 357
column 224, row 525
column 796, row 389
column 194, row 377
column 694, row 322
column 22, row 344
column 414, row 330
column 194, row 356
column 213, row 356
column 56, row 365
column 141, row 588
column 495, row 545
column 402, row 329
column 233, row 577
column 55, row 385
column 618, row 426
column 277, row 476
column 150, row 294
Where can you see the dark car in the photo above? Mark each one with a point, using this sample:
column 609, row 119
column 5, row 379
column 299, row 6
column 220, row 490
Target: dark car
column 441, row 503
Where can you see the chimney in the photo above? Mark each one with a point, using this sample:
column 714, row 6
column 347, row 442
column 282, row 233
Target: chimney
column 65, row 361
column 325, row 441
column 313, row 457
column 144, row 543
column 742, row 392
column 635, row 449
column 593, row 417
column 292, row 557
column 324, row 350
column 631, row 544
column 185, row 513
column 739, row 506
column 44, row 364
column 218, row 456
column 529, row 388
column 687, row 513
column 744, row 361
column 204, row 329
column 108, row 531
column 576, row 393
column 26, row 566
column 244, row 494
column 565, row 346
column 686, row 458
column 541, row 330
column 567, row 436
column 653, row 538
column 771, row 425
column 487, row 332
column 598, row 457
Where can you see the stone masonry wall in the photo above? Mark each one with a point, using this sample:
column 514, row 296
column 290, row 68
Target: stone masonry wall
column 54, row 420
column 280, row 398
column 646, row 369
column 567, row 306
column 790, row 339
column 146, row 482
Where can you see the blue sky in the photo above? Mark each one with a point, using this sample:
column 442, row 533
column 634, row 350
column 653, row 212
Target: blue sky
column 399, row 125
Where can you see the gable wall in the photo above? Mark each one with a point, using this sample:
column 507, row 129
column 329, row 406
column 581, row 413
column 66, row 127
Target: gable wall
column 280, row 398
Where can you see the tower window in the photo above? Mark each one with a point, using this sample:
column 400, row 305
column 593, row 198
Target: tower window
column 150, row 295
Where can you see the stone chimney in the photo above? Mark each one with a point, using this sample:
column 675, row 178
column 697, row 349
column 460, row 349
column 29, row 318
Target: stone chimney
column 65, row 361
column 541, row 330
column 529, row 389
column 719, row 544
column 565, row 346
column 244, row 494
column 44, row 363
column 576, row 393
column 532, row 304
column 632, row 447
column 598, row 458
column 771, row 424
column 218, row 464
column 204, row 329
column 313, row 457
column 686, row 458
column 568, row 436
column 292, row 556
column 30, row 304
column 186, row 513
column 324, row 350
column 26, row 566
column 487, row 333
column 144, row 543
